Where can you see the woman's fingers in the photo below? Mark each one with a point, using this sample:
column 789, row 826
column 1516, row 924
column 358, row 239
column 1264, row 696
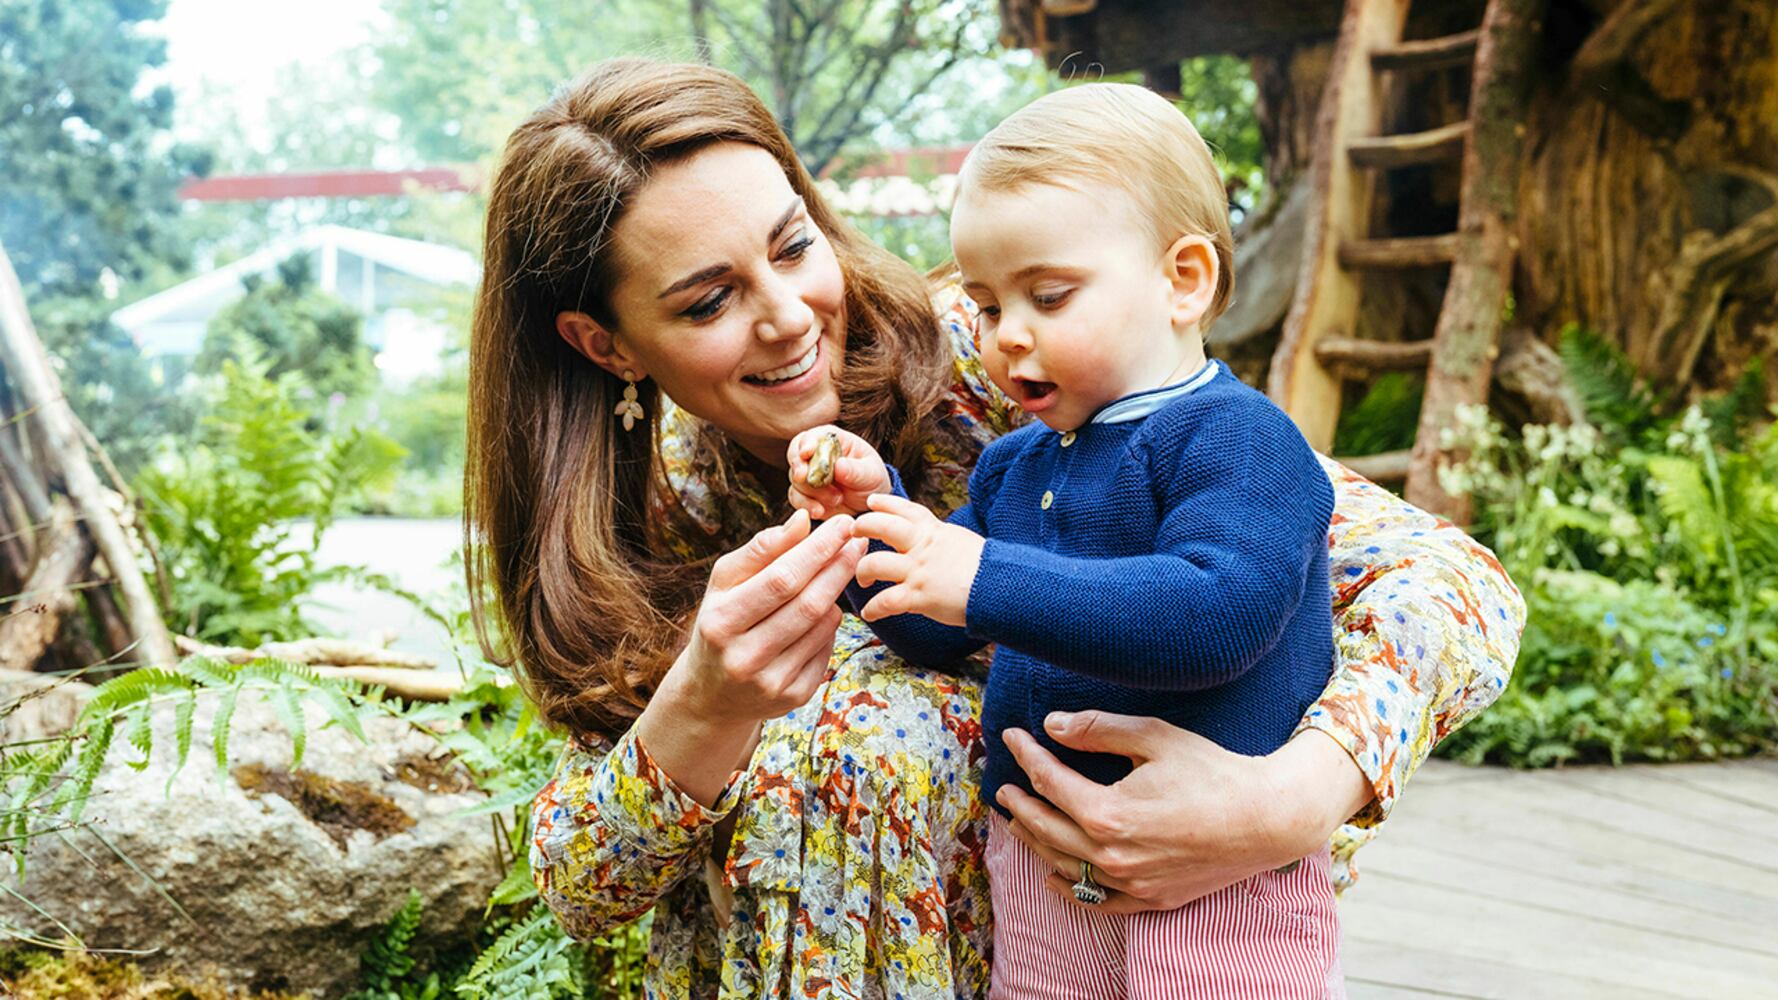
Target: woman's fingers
column 785, row 578
column 1049, row 833
column 1132, row 736
column 890, row 529
column 1081, row 798
column 803, row 666
column 808, row 607
column 760, row 551
column 1117, row 902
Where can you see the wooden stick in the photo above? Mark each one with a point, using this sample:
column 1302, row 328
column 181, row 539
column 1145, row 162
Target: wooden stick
column 313, row 652
column 27, row 631
column 24, row 357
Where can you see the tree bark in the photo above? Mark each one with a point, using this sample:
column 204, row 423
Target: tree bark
column 28, row 626
column 24, row 357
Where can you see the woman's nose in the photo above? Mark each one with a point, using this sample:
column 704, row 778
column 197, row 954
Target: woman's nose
column 786, row 315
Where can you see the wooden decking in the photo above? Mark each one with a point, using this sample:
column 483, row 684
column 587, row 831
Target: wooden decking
column 1585, row 882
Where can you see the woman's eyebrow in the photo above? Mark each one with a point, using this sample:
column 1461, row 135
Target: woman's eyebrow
column 718, row 270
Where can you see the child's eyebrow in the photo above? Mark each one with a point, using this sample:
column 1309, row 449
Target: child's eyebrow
column 1030, row 269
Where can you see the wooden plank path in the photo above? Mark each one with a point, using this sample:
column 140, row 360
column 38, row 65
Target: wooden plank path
column 1636, row 882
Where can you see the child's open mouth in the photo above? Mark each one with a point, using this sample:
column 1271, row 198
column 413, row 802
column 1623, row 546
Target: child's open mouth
column 1034, row 396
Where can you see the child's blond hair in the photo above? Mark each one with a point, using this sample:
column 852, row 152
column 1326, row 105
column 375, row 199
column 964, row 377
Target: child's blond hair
column 1121, row 134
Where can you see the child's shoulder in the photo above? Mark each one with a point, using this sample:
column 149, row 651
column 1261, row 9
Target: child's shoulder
column 1224, row 406
column 1006, row 447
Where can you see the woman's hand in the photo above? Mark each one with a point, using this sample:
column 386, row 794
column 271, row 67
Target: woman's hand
column 759, row 648
column 1189, row 820
column 858, row 471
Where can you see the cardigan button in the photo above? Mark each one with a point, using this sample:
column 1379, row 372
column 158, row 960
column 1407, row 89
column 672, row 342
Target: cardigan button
column 1048, row 498
column 1067, row 439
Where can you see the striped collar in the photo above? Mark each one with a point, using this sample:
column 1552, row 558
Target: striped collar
column 1140, row 404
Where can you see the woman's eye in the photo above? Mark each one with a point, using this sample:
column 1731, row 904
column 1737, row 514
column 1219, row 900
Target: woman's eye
column 796, row 249
column 708, row 306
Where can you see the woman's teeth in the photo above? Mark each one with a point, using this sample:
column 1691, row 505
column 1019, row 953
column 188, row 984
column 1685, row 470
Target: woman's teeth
column 789, row 371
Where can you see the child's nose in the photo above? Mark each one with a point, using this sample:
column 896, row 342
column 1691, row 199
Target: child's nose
column 1011, row 336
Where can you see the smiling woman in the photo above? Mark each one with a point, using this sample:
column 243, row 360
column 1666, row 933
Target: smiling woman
column 652, row 239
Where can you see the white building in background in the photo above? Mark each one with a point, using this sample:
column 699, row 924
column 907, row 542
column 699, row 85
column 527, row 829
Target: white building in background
column 396, row 284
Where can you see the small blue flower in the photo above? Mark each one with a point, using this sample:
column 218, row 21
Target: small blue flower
column 1660, row 661
column 1611, row 617
column 1706, row 642
column 1728, row 672
column 1716, row 628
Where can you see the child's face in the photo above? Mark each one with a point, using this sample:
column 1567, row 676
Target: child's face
column 1079, row 306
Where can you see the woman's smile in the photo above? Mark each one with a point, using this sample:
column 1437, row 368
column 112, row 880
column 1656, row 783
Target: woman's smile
column 789, row 378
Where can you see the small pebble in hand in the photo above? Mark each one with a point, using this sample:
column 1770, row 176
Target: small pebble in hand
column 827, row 450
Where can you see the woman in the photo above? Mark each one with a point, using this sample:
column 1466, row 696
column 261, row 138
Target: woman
column 799, row 812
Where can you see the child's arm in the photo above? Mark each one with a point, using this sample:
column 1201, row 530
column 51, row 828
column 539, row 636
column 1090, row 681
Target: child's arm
column 1244, row 520
column 933, row 635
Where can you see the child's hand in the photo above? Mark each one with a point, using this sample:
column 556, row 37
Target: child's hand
column 932, row 567
column 856, row 471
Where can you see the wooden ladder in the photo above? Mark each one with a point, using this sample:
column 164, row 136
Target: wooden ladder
column 1319, row 346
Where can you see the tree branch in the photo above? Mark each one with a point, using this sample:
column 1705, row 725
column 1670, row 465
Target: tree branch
column 1697, row 280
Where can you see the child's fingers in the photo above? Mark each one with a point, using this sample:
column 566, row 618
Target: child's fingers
column 803, row 501
column 897, row 600
column 855, row 474
column 897, row 532
column 889, row 503
column 877, row 567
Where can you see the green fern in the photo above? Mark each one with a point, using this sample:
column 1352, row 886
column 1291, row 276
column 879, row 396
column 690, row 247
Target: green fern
column 1614, row 398
column 533, row 958
column 385, row 963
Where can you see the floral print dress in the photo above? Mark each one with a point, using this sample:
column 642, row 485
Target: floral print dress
column 854, row 869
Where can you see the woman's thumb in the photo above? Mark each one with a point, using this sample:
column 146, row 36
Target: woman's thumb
column 1094, row 731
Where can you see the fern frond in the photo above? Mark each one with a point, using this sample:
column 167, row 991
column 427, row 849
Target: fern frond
column 1685, row 498
column 225, row 714
column 385, row 962
column 341, row 710
column 1614, row 399
column 529, row 933
column 73, row 794
column 290, row 709
column 183, row 715
column 141, row 736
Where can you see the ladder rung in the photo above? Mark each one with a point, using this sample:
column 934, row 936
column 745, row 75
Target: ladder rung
column 1409, row 251
column 1387, row 468
column 1407, row 149
column 1432, row 53
column 1373, row 355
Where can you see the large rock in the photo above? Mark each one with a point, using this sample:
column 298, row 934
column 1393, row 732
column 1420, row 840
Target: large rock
column 283, row 875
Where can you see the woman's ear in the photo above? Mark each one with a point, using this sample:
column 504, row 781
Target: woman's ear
column 1191, row 268
column 597, row 344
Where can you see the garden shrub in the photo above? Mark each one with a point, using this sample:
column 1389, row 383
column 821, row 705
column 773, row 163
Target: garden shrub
column 1646, row 544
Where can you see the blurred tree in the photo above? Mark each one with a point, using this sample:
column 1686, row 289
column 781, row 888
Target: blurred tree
column 293, row 326
column 88, row 177
column 88, row 197
column 833, row 71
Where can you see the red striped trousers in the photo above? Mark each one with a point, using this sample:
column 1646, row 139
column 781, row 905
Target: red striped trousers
column 1273, row 937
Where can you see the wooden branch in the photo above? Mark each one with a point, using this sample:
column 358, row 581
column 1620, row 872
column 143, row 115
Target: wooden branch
column 26, row 632
column 24, row 479
column 1467, row 338
column 1603, row 69
column 24, row 357
column 1398, row 252
column 1706, row 266
column 1428, row 54
column 1532, row 370
column 414, row 685
column 1388, row 468
column 1373, row 355
column 1408, row 149
column 312, row 652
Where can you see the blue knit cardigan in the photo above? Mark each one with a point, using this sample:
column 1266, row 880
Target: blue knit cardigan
column 1168, row 559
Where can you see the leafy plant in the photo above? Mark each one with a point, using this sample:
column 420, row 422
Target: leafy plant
column 385, row 965
column 227, row 508
column 1647, row 547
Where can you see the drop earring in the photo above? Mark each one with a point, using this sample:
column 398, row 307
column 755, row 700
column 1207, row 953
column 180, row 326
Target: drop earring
column 630, row 409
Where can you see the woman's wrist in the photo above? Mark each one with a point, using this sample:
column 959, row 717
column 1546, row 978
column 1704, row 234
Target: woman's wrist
column 698, row 749
column 1317, row 786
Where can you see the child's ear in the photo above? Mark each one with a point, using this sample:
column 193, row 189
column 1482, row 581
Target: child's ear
column 1191, row 268
column 589, row 337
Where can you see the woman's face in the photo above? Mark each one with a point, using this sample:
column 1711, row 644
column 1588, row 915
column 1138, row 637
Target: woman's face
column 730, row 298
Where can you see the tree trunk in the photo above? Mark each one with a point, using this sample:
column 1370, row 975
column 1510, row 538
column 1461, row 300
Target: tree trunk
column 1648, row 195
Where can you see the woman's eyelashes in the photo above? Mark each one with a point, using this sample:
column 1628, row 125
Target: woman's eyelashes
column 708, row 306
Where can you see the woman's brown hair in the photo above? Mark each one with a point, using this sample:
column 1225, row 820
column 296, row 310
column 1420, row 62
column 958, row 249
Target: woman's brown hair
column 556, row 496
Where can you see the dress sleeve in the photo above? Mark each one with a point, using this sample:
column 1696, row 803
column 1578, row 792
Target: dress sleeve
column 974, row 393
column 1426, row 629
column 611, row 834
